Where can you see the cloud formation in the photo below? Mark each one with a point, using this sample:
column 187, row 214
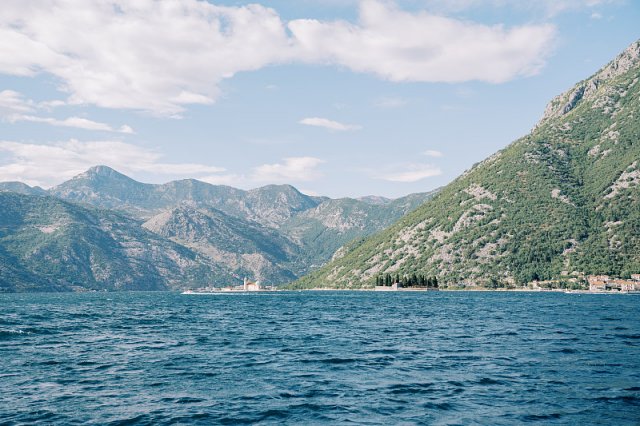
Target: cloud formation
column 420, row 47
column 161, row 56
column 547, row 7
column 47, row 165
column 12, row 102
column 433, row 153
column 75, row 122
column 292, row 169
column 329, row 124
column 411, row 173
column 14, row 107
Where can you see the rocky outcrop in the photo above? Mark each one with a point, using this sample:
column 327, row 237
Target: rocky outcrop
column 588, row 89
column 562, row 201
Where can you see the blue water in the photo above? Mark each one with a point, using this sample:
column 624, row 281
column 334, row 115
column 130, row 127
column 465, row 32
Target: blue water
column 320, row 358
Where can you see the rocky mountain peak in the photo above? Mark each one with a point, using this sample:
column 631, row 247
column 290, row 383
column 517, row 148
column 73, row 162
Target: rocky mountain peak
column 555, row 206
column 589, row 88
column 375, row 199
column 100, row 170
column 100, row 174
column 21, row 188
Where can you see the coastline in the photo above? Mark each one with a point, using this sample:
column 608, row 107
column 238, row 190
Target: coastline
column 473, row 290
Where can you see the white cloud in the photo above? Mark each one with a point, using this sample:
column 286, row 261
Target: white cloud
column 433, row 153
column 328, row 124
column 390, row 103
column 410, row 173
column 75, row 122
column 49, row 105
column 225, row 179
column 549, row 8
column 126, row 129
column 310, row 192
column 147, row 55
column 421, row 47
column 14, row 107
column 292, row 169
column 12, row 102
column 160, row 56
column 47, row 165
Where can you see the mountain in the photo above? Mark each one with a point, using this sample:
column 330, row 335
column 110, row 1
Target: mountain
column 317, row 226
column 245, row 248
column 274, row 234
column 21, row 188
column 321, row 231
column 561, row 201
column 275, row 204
column 104, row 187
column 50, row 245
column 375, row 199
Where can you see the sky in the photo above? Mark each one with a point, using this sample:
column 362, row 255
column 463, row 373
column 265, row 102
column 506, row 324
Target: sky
column 342, row 98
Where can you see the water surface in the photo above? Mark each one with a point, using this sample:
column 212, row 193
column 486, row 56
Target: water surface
column 320, row 358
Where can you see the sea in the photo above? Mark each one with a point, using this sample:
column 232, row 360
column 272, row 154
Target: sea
column 305, row 358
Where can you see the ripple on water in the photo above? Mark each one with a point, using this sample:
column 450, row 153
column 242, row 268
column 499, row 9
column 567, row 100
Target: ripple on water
column 309, row 358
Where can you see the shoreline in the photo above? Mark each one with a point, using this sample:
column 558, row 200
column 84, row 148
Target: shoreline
column 450, row 290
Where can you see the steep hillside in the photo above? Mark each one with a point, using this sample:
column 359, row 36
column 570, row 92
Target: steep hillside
column 245, row 248
column 104, row 187
column 274, row 234
column 324, row 229
column 51, row 245
column 21, row 188
column 317, row 226
column 562, row 200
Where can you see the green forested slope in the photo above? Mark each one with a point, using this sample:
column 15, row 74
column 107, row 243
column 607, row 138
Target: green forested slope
column 50, row 245
column 563, row 199
column 244, row 248
column 332, row 224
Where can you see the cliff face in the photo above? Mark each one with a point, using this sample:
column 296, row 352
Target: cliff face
column 562, row 199
column 587, row 90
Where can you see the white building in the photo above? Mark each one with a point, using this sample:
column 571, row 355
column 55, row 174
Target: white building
column 251, row 286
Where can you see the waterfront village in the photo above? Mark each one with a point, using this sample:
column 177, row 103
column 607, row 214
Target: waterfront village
column 597, row 284
column 246, row 287
column 602, row 283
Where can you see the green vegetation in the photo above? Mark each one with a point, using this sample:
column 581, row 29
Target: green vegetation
column 51, row 245
column 562, row 199
column 181, row 234
column 408, row 281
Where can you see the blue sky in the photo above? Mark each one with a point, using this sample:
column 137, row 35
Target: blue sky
column 336, row 97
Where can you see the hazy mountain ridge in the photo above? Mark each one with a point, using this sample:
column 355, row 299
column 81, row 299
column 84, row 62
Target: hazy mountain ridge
column 47, row 244
column 562, row 200
column 334, row 223
column 274, row 233
column 21, row 188
column 243, row 247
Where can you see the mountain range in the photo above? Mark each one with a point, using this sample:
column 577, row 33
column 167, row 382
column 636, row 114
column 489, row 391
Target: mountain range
column 117, row 233
column 559, row 203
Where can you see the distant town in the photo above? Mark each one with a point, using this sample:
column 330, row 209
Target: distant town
column 246, row 287
column 604, row 283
